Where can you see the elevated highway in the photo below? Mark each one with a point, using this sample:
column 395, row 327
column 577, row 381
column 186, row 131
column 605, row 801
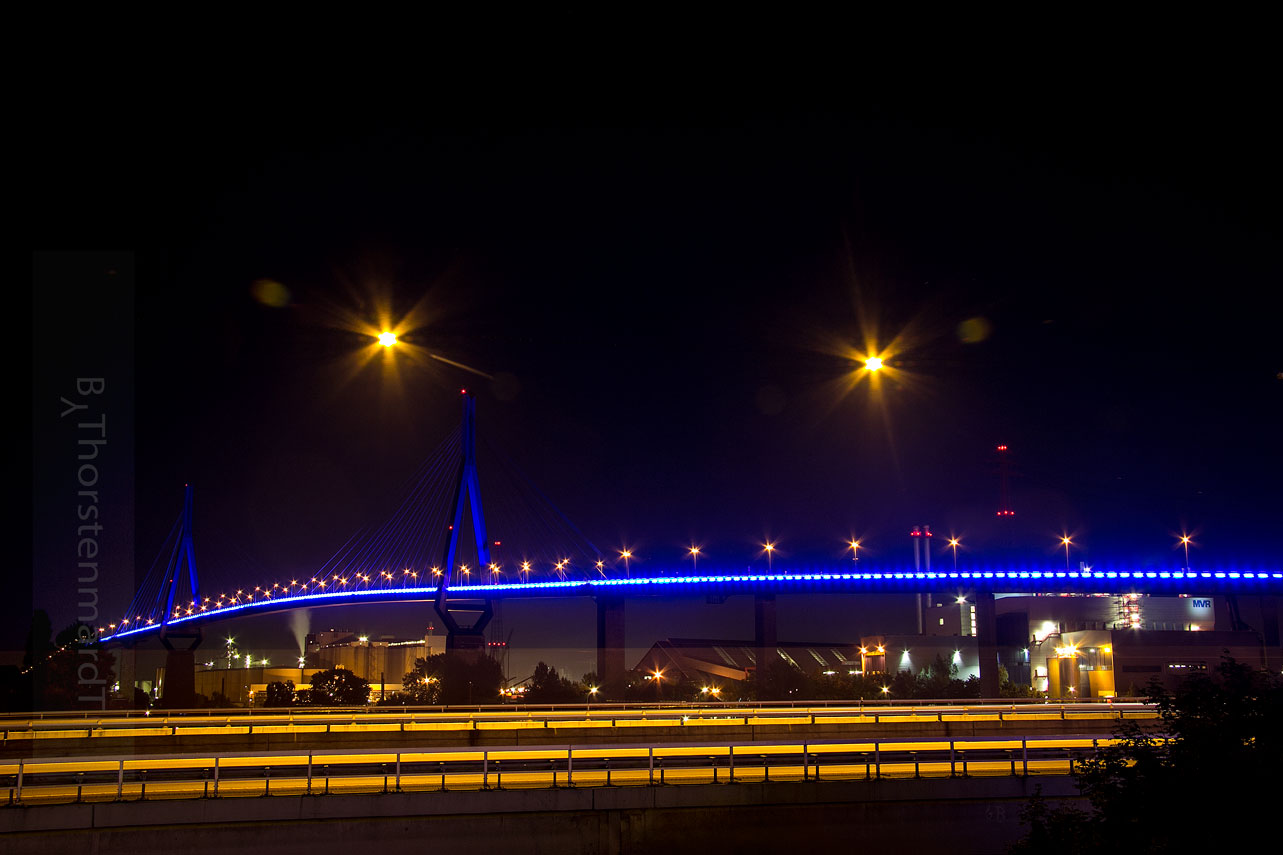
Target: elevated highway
column 409, row 729
column 619, row 779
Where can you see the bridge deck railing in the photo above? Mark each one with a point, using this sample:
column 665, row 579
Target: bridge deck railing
column 338, row 720
column 47, row 782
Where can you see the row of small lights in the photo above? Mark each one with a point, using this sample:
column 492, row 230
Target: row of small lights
column 496, row 571
column 1086, row 573
column 297, row 589
column 235, row 602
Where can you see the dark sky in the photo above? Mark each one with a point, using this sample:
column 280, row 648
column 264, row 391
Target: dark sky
column 1087, row 272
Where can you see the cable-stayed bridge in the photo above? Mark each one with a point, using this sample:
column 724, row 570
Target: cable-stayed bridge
column 436, row 547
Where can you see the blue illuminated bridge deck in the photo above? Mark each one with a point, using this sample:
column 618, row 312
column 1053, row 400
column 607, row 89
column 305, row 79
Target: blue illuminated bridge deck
column 797, row 581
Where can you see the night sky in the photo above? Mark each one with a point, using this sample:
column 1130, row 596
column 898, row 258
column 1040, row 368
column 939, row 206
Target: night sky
column 669, row 297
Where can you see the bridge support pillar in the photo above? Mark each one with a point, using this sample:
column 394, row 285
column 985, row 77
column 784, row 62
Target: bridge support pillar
column 179, row 691
column 1270, row 621
column 987, row 643
column 469, row 644
column 127, row 673
column 764, row 640
column 180, row 679
column 612, row 670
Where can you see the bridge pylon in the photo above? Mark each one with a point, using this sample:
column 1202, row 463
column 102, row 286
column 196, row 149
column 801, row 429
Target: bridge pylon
column 179, row 690
column 184, row 553
column 465, row 636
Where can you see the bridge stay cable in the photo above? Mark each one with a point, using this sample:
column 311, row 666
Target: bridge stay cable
column 521, row 536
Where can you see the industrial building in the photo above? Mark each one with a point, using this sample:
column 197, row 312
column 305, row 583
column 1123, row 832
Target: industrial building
column 1106, row 645
column 1069, row 646
column 383, row 662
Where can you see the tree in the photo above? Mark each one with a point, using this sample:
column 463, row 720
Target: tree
column 280, row 694
column 548, row 687
column 73, row 672
column 903, row 685
column 778, row 681
column 449, row 678
column 1220, row 734
column 423, row 685
column 338, row 687
column 1008, row 689
column 934, row 681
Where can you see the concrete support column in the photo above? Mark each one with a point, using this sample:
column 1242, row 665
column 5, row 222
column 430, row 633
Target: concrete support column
column 611, row 668
column 987, row 643
column 180, row 679
column 127, row 673
column 1270, row 621
column 466, row 643
column 764, row 640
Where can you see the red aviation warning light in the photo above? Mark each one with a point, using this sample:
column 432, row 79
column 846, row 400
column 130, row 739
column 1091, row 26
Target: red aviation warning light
column 1004, row 494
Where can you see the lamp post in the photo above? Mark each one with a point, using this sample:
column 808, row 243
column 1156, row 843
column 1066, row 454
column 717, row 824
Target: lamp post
column 770, row 552
column 953, row 544
column 1185, row 540
column 695, row 558
column 1066, row 541
column 626, row 554
column 855, row 551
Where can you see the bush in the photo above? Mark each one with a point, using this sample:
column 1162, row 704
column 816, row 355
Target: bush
column 1221, row 734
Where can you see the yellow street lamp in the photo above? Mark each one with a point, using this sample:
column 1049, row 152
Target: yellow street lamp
column 1185, row 542
column 770, row 552
column 953, row 544
column 387, row 338
column 626, row 554
column 855, row 550
column 694, row 550
column 1066, row 542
